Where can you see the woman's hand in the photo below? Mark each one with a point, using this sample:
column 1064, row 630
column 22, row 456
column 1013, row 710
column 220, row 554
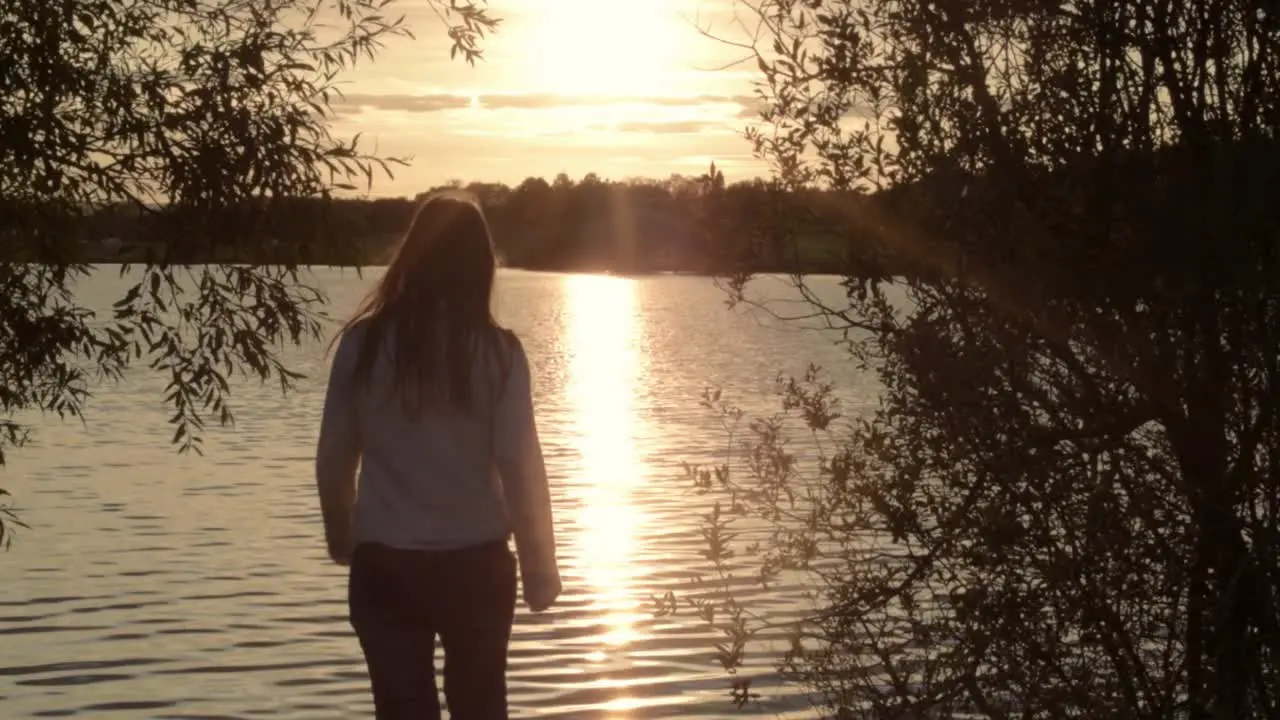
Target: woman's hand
column 541, row 590
column 340, row 550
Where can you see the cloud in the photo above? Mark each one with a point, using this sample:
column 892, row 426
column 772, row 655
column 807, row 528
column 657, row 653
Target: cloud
column 543, row 100
column 436, row 102
column 405, row 103
column 751, row 106
column 690, row 127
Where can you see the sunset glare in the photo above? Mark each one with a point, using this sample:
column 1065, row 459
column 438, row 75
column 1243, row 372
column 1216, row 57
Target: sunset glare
column 613, row 87
column 608, row 48
column 603, row 370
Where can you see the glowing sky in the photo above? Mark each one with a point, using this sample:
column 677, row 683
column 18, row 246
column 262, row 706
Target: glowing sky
column 621, row 88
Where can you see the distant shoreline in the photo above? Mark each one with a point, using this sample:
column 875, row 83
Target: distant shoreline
column 115, row 262
column 680, row 225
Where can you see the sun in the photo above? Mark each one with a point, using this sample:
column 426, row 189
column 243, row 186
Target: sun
column 606, row 47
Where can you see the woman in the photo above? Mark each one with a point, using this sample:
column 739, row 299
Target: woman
column 430, row 399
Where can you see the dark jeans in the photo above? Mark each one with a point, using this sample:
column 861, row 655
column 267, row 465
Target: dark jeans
column 401, row 600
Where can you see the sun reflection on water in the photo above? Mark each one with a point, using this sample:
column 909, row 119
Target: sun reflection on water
column 604, row 346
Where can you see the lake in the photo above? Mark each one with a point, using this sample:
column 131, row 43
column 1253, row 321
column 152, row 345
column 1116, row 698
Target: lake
column 153, row 585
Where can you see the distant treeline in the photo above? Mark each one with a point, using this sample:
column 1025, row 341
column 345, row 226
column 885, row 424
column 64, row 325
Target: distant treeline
column 695, row 224
column 689, row 224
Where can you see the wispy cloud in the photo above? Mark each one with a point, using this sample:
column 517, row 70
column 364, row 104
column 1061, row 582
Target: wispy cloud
column 404, row 102
column 687, row 127
column 540, row 101
column 435, row 102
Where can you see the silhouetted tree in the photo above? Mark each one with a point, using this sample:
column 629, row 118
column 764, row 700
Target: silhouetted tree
column 1067, row 501
column 206, row 124
column 562, row 182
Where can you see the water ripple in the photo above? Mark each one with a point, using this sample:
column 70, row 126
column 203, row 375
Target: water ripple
column 153, row 585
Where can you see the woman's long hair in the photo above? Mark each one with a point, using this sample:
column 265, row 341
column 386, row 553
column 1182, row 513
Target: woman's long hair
column 436, row 289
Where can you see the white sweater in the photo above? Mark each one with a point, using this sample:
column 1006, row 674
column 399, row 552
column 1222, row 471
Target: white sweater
column 445, row 479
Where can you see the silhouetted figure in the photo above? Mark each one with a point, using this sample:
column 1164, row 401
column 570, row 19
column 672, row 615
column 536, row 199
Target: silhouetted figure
column 430, row 398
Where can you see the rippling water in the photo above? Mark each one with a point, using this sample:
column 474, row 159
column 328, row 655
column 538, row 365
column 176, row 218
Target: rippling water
column 153, row 585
